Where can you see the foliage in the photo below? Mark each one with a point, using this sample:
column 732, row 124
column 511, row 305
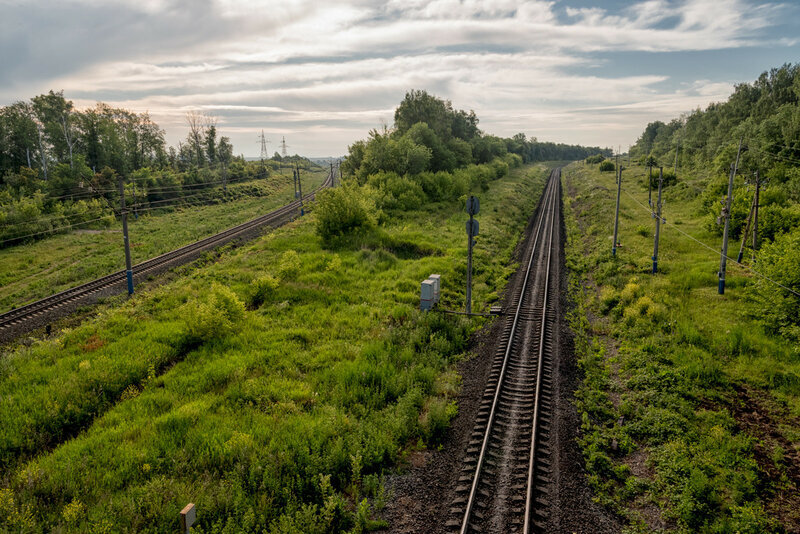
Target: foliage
column 765, row 117
column 343, row 210
column 776, row 306
column 213, row 318
column 607, row 166
column 666, row 361
column 429, row 135
column 285, row 422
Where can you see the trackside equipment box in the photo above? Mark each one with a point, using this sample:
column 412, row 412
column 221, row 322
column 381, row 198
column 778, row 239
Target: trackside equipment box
column 426, row 295
column 437, row 279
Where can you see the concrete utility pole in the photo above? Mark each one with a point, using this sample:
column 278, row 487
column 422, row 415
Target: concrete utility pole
column 723, row 260
column 677, row 147
column 746, row 232
column 300, row 190
column 658, row 220
column 124, row 213
column 755, row 217
column 616, row 215
column 650, row 185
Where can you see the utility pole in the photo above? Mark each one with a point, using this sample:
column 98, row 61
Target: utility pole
column 124, row 213
column 135, row 204
column 616, row 215
column 755, row 217
column 677, row 147
column 332, row 177
column 300, row 190
column 746, row 232
column 723, row 260
column 658, row 220
column 650, row 185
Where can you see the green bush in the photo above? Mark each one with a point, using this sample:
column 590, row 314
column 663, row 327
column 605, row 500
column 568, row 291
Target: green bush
column 778, row 308
column 343, row 210
column 213, row 319
column 261, row 290
column 607, row 166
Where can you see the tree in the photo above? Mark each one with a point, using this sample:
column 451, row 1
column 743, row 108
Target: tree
column 196, row 122
column 211, row 142
column 419, row 106
column 225, row 151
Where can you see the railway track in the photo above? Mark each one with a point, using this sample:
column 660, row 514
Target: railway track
column 14, row 321
column 505, row 473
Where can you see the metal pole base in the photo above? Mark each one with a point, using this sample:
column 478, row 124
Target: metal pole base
column 614, row 251
column 721, row 287
column 655, row 266
column 129, row 275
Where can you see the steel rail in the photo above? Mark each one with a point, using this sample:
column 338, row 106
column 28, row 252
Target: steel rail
column 547, row 207
column 539, row 367
column 23, row 313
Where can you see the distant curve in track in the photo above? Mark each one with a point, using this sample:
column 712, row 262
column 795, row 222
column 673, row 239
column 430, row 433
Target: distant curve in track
column 22, row 319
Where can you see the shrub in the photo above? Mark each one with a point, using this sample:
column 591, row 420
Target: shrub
column 213, row 319
column 435, row 420
column 778, row 308
column 289, row 266
column 607, row 166
column 594, row 160
column 343, row 210
column 261, row 290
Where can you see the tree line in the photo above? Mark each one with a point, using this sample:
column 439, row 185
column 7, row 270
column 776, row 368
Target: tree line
column 763, row 117
column 60, row 166
column 429, row 135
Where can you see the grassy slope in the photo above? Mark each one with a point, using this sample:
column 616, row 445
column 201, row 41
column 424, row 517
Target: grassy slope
column 34, row 271
column 673, row 370
column 285, row 421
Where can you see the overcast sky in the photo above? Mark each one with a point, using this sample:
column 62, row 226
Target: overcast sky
column 323, row 73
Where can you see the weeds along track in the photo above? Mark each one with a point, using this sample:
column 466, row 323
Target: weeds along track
column 505, row 473
column 35, row 314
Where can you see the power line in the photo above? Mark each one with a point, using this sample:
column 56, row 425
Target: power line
column 747, row 267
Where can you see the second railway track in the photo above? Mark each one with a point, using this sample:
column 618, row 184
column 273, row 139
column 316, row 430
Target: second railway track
column 506, row 470
column 26, row 317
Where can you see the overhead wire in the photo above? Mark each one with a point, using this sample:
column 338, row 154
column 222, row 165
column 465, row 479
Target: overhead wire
column 747, row 267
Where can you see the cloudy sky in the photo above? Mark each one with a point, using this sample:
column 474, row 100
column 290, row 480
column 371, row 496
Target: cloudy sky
column 322, row 73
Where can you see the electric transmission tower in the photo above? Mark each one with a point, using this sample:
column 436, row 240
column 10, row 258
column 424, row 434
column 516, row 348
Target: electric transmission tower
column 284, row 146
column 264, row 155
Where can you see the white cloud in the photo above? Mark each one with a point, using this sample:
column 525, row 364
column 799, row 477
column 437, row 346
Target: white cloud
column 338, row 68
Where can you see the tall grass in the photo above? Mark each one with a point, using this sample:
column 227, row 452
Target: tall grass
column 278, row 416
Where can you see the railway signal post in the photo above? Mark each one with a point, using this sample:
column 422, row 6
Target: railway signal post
column 124, row 213
column 473, row 207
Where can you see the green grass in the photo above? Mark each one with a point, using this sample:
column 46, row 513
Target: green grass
column 281, row 418
column 37, row 270
column 662, row 358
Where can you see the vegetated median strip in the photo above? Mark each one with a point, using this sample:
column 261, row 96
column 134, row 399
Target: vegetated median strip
column 666, row 441
column 314, row 390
